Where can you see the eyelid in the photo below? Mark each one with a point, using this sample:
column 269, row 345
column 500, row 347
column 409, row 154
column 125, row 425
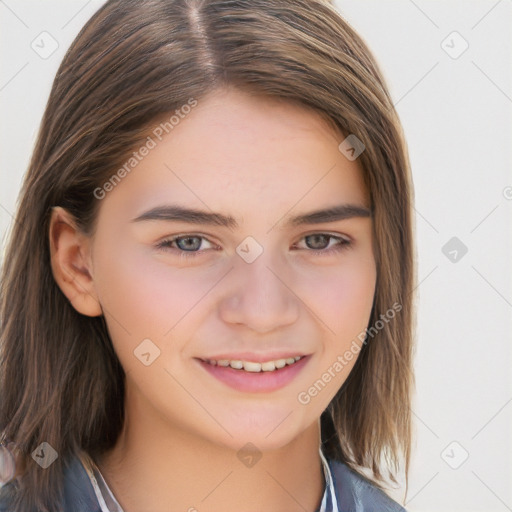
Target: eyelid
column 343, row 242
column 328, row 233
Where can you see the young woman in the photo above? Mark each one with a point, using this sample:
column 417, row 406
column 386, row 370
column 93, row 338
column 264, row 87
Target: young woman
column 206, row 297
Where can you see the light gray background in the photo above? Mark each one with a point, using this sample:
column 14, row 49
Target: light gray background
column 457, row 117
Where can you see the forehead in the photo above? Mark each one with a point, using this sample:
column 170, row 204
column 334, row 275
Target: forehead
column 244, row 155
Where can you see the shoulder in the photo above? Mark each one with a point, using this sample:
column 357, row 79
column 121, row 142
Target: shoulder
column 356, row 494
column 79, row 494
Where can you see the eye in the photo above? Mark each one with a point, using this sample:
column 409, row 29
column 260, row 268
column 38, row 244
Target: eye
column 187, row 245
column 321, row 243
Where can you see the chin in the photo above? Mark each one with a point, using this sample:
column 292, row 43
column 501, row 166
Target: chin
column 267, row 430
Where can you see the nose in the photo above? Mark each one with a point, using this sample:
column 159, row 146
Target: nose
column 259, row 296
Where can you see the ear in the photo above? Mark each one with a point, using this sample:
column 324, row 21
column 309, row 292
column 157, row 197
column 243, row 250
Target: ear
column 71, row 262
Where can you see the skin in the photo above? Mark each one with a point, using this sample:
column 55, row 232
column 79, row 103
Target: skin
column 259, row 160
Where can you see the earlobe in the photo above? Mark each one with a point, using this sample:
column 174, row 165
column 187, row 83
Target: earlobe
column 70, row 261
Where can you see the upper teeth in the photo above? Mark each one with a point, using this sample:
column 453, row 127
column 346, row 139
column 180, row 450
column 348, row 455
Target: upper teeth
column 249, row 366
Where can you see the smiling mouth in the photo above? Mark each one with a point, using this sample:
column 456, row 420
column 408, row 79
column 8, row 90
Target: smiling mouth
column 254, row 367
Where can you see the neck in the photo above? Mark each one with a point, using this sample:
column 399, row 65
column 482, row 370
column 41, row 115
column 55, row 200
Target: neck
column 154, row 466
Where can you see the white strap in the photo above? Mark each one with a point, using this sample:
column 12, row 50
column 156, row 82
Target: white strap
column 329, row 486
column 101, row 489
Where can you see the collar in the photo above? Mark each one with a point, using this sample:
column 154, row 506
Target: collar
column 108, row 503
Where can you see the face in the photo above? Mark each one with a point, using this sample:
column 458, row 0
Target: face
column 231, row 323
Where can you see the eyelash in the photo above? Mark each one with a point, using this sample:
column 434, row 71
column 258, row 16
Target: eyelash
column 344, row 243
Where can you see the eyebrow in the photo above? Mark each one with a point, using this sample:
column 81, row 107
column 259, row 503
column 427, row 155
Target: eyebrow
column 193, row 216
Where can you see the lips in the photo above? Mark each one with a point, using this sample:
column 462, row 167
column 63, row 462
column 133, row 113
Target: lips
column 253, row 373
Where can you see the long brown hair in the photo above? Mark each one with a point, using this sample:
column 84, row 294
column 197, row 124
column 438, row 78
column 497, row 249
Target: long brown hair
column 133, row 62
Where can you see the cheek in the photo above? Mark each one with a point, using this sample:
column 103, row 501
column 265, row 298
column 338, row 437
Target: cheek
column 343, row 300
column 143, row 299
column 143, row 294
